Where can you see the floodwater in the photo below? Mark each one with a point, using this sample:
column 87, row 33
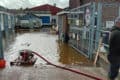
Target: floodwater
column 56, row 52
column 46, row 45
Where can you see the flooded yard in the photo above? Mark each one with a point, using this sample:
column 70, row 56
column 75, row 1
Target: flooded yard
column 46, row 45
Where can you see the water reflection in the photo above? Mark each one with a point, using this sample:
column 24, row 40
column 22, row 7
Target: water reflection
column 6, row 41
column 48, row 46
column 70, row 56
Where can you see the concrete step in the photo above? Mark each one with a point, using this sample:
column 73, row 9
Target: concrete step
column 47, row 72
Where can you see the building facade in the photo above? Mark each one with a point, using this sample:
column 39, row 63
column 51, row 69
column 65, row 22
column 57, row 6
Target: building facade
column 109, row 12
column 52, row 9
column 36, row 17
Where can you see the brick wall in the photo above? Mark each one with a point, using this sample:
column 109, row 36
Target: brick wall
column 74, row 3
column 87, row 1
column 109, row 13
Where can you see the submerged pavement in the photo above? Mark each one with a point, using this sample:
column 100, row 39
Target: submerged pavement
column 56, row 52
column 46, row 45
column 47, row 72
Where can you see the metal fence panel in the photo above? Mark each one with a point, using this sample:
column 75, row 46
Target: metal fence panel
column 1, row 46
column 82, row 28
column 88, row 23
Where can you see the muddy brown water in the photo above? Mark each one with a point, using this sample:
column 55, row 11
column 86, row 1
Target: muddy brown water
column 46, row 45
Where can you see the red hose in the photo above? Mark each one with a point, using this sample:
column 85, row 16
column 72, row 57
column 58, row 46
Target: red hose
column 75, row 71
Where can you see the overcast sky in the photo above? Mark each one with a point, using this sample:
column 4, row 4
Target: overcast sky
column 15, row 4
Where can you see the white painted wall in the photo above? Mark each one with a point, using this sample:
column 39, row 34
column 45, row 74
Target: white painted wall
column 54, row 17
column 24, row 21
column 43, row 14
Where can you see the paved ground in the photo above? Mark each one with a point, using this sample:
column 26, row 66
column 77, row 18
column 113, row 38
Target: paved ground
column 46, row 72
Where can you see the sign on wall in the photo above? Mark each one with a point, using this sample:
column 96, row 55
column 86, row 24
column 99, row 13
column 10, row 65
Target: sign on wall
column 87, row 16
column 109, row 24
column 77, row 22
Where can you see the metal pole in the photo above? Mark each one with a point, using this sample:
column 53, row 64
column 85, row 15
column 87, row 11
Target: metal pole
column 92, row 30
column 5, row 16
column 30, row 21
column 1, row 45
column 99, row 24
column 12, row 22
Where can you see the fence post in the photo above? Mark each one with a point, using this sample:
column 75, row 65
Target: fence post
column 5, row 18
column 99, row 24
column 91, row 33
column 1, row 45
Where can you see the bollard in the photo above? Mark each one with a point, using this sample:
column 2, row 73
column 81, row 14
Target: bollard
column 2, row 63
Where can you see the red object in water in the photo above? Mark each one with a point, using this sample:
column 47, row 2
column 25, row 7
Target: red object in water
column 2, row 63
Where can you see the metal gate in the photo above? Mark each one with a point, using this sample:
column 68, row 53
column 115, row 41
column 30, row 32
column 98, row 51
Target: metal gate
column 95, row 22
column 88, row 23
column 84, row 28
